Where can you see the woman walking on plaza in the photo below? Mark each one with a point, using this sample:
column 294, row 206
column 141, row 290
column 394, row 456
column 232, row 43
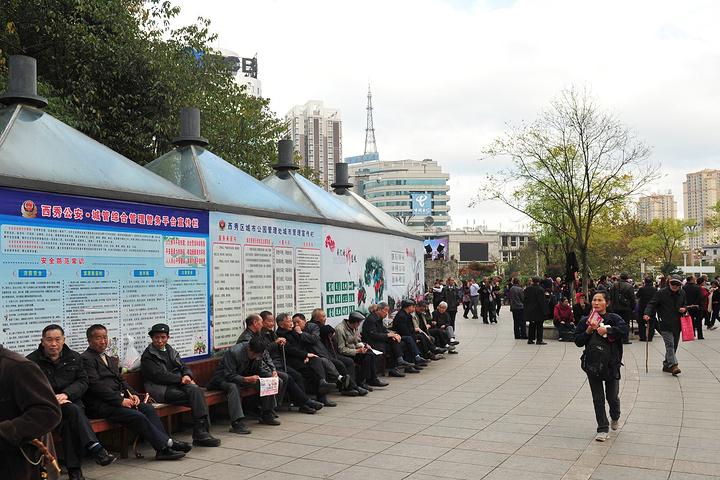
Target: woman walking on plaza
column 603, row 330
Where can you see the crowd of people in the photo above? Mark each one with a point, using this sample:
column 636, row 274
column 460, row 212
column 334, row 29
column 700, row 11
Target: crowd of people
column 56, row 387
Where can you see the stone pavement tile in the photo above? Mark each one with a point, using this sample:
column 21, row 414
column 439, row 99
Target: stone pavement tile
column 551, row 441
column 589, row 460
column 642, row 439
column 356, row 472
column 693, row 442
column 472, row 423
column 501, row 473
column 649, row 429
column 629, row 448
column 291, row 449
column 395, row 462
column 268, row 432
column 438, row 469
column 430, row 440
column 130, row 472
column 699, row 468
column 701, row 423
column 393, row 426
column 549, row 452
column 234, row 441
column 264, row 461
column 221, row 471
column 385, row 406
column 531, row 419
column 353, row 422
column 512, row 427
column 614, row 472
column 293, row 424
column 489, row 459
column 366, row 445
column 338, row 455
column 275, row 475
column 577, row 472
column 416, row 451
column 472, row 414
column 311, row 468
column 536, row 464
column 579, row 432
column 419, row 418
column 690, row 476
column 487, row 446
column 639, row 461
column 503, row 437
column 452, row 432
column 712, row 435
column 380, row 435
column 321, row 440
column 707, row 455
column 337, row 430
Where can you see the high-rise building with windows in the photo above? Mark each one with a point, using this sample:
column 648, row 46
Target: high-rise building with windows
column 654, row 206
column 316, row 133
column 413, row 191
column 700, row 192
column 244, row 71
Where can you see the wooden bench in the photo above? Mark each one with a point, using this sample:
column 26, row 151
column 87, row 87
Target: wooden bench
column 116, row 438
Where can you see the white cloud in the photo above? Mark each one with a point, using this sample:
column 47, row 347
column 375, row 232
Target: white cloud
column 448, row 75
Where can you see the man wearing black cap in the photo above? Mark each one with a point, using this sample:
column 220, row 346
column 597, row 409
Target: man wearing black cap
column 169, row 380
column 535, row 309
column 403, row 324
column 668, row 304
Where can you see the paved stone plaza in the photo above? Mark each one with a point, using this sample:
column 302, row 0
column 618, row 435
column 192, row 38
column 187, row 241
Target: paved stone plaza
column 501, row 409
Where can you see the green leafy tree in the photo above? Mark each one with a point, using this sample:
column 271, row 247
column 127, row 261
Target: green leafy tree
column 662, row 245
column 575, row 157
column 115, row 70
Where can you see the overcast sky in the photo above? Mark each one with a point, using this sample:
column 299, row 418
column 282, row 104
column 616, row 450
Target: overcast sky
column 447, row 77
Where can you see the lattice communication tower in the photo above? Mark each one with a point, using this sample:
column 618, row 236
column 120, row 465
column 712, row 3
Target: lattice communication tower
column 370, row 146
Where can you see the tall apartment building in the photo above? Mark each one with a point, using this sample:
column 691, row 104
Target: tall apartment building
column 316, row 132
column 700, row 192
column 410, row 190
column 658, row 205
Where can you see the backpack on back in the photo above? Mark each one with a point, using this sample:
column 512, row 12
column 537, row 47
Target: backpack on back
column 598, row 359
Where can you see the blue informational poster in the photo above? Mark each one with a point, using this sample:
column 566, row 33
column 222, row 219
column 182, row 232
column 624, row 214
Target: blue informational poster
column 77, row 261
column 261, row 264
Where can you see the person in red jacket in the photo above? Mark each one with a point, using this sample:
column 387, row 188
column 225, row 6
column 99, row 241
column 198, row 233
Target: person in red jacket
column 563, row 318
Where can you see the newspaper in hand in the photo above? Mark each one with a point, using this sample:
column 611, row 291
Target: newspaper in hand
column 269, row 386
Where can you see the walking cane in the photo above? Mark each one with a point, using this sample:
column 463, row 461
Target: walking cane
column 285, row 365
column 647, row 343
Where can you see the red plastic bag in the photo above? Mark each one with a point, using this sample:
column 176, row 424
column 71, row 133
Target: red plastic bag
column 688, row 332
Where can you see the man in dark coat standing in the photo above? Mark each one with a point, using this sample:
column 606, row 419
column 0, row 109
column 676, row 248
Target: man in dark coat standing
column 451, row 296
column 667, row 305
column 66, row 374
column 622, row 301
column 28, row 410
column 169, row 380
column 109, row 396
column 535, row 309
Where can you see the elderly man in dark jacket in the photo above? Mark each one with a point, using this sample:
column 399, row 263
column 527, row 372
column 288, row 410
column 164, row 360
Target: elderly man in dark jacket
column 535, row 309
column 517, row 298
column 622, row 300
column 668, row 304
column 28, row 410
column 169, row 380
column 109, row 396
column 403, row 325
column 243, row 366
column 64, row 370
column 376, row 334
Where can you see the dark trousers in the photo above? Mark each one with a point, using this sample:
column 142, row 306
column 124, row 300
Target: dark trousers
column 535, row 331
column 519, row 328
column 235, row 409
column 409, row 347
column 466, row 309
column 293, row 383
column 192, row 396
column 485, row 307
column 626, row 315
column 76, row 433
column 452, row 314
column 369, row 365
column 440, row 335
column 715, row 313
column 423, row 344
column 601, row 390
column 697, row 319
column 144, row 422
column 643, row 329
column 474, row 304
column 392, row 348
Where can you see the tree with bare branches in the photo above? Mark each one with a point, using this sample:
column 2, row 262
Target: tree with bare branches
column 568, row 166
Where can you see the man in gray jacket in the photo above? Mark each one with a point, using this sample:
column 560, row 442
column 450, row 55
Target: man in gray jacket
column 169, row 380
column 517, row 297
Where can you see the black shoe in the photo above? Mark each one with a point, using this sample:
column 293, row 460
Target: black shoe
column 324, row 386
column 346, row 381
column 540, row 343
column 453, row 352
column 628, row 342
column 365, row 386
column 454, row 342
column 202, row 438
column 475, row 318
column 530, row 342
column 327, row 402
column 440, row 350
column 269, row 419
column 393, row 372
column 306, row 409
column 666, row 368
column 314, row 405
column 361, row 391
column 375, row 382
column 403, row 363
column 240, row 428
column 76, row 474
column 349, row 392
column 181, row 446
column 168, row 453
column 412, row 370
column 103, row 458
column 421, row 362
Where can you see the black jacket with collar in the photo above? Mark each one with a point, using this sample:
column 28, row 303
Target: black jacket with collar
column 666, row 306
column 106, row 386
column 160, row 372
column 66, row 375
column 236, row 364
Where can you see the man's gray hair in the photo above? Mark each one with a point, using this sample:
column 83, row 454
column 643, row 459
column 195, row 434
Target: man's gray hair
column 442, row 304
column 382, row 306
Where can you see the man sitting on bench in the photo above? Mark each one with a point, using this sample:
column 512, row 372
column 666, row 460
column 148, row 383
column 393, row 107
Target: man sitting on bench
column 169, row 380
column 109, row 396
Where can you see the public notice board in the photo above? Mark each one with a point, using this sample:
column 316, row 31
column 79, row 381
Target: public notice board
column 260, row 264
column 78, row 261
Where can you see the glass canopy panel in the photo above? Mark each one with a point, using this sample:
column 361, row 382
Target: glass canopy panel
column 330, row 206
column 179, row 169
column 37, row 146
